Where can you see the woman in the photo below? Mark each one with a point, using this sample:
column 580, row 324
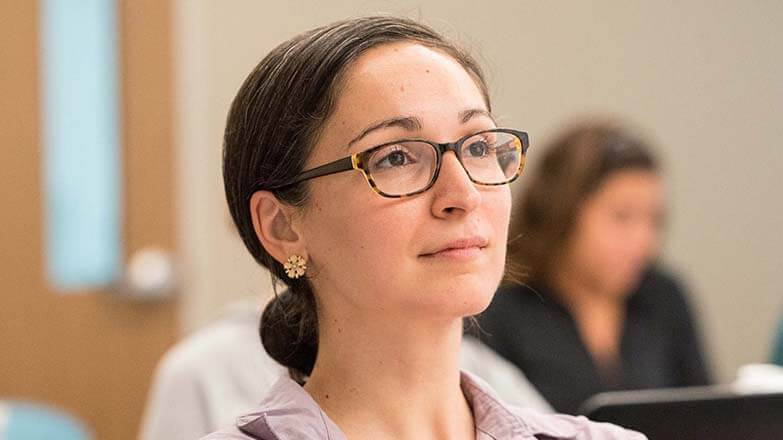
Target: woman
column 384, row 260
column 596, row 315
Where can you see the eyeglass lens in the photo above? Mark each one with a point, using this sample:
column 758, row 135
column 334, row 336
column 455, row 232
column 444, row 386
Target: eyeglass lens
column 402, row 168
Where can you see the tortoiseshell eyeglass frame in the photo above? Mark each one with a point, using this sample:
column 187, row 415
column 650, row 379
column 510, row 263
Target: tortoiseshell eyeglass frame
column 357, row 162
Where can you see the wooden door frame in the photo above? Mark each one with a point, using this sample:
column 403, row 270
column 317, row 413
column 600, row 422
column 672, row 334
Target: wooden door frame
column 93, row 352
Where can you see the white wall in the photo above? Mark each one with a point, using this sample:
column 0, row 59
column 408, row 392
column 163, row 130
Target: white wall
column 701, row 78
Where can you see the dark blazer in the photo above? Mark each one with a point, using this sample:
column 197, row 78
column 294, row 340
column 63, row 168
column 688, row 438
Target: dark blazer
column 659, row 345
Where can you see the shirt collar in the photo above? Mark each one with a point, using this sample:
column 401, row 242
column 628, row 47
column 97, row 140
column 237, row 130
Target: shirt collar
column 288, row 412
column 491, row 417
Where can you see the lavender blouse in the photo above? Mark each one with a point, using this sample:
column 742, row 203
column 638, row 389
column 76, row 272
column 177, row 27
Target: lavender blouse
column 289, row 413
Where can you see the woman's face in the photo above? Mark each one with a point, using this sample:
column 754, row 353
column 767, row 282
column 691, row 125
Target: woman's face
column 375, row 254
column 618, row 231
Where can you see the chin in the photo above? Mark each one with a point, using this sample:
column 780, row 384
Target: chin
column 465, row 297
column 624, row 286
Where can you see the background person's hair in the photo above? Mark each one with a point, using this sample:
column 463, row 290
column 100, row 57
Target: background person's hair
column 273, row 123
column 573, row 167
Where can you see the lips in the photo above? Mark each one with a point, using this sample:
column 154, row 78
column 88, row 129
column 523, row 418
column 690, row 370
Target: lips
column 460, row 246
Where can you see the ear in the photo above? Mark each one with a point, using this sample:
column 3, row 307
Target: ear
column 272, row 221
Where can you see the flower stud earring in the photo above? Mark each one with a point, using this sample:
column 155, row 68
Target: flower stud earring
column 295, row 267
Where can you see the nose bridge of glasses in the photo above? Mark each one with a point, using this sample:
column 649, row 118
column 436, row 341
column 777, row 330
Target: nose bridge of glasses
column 444, row 148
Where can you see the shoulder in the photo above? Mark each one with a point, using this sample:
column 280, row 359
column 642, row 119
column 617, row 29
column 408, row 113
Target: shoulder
column 500, row 420
column 516, row 293
column 209, row 377
column 211, row 339
column 663, row 291
column 519, row 318
column 222, row 346
column 512, row 300
column 287, row 412
column 663, row 278
column 561, row 426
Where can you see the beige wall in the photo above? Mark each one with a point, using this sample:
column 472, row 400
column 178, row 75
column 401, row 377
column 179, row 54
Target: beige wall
column 702, row 79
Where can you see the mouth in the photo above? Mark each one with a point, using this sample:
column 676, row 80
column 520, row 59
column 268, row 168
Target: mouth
column 461, row 250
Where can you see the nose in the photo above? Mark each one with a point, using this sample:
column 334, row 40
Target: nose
column 453, row 192
column 640, row 242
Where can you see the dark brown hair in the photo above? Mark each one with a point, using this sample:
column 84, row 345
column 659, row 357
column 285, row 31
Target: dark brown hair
column 573, row 166
column 273, row 123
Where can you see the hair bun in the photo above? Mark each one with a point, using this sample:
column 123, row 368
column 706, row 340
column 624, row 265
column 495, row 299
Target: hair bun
column 288, row 332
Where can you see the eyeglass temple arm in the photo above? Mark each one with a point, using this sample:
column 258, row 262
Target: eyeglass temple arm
column 335, row 167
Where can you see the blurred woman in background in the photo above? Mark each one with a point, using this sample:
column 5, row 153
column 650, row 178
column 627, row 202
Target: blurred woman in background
column 595, row 314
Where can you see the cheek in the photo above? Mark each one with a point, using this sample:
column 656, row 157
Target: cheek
column 498, row 214
column 364, row 237
column 380, row 241
column 599, row 244
column 375, row 240
column 494, row 215
column 653, row 244
column 614, row 254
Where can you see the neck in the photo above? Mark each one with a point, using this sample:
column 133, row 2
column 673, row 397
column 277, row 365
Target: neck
column 377, row 381
column 577, row 290
column 599, row 317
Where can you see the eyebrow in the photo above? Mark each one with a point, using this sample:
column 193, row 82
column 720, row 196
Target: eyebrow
column 409, row 123
column 412, row 123
column 467, row 115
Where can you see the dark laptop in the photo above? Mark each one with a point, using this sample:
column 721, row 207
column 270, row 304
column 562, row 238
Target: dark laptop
column 697, row 413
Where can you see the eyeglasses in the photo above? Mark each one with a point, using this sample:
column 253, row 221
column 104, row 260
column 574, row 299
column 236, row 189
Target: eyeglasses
column 411, row 166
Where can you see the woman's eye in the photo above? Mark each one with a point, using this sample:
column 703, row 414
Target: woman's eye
column 396, row 159
column 392, row 159
column 478, row 149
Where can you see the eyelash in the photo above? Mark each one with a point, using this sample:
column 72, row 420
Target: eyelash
column 386, row 154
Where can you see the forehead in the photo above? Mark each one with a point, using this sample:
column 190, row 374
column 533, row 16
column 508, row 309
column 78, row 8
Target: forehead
column 403, row 79
column 405, row 58
column 630, row 184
